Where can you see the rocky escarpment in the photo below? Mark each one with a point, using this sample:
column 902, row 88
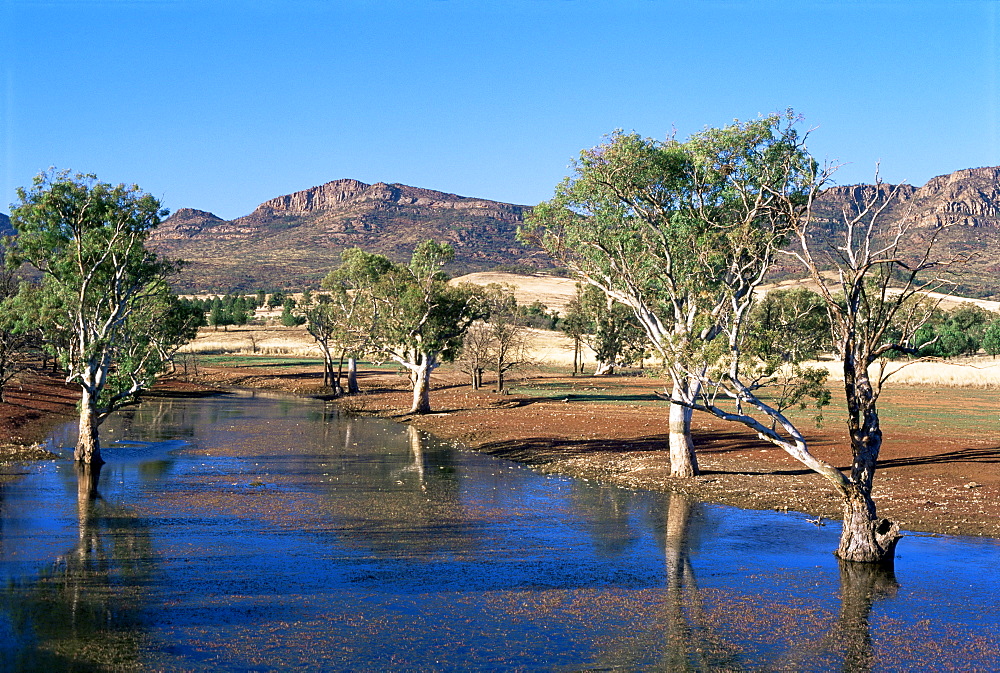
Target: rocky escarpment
column 350, row 195
column 969, row 197
column 293, row 240
column 186, row 222
column 960, row 210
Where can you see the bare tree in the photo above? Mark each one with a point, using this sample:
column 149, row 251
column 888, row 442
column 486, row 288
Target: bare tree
column 875, row 287
column 475, row 357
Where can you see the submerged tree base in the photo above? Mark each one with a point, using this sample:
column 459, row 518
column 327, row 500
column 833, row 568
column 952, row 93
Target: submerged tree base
column 866, row 538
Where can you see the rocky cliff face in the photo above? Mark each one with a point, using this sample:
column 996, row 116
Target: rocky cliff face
column 5, row 228
column 186, row 223
column 965, row 203
column 346, row 194
column 969, row 198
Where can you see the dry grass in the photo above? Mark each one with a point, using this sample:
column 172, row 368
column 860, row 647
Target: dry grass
column 554, row 292
column 555, row 349
column 253, row 339
column 970, row 372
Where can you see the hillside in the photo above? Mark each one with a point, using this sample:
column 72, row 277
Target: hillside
column 966, row 203
column 292, row 241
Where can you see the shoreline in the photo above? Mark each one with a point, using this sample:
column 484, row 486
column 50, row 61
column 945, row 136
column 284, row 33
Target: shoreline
column 923, row 483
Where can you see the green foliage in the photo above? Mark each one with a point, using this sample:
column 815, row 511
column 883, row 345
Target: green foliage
column 676, row 230
column 275, row 300
column 288, row 316
column 105, row 307
column 788, row 326
column 614, row 334
column 960, row 331
column 537, row 315
column 991, row 338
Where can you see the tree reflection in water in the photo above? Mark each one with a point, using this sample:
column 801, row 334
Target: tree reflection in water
column 696, row 632
column 83, row 611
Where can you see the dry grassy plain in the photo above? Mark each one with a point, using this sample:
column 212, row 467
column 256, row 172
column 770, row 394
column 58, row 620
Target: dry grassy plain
column 553, row 349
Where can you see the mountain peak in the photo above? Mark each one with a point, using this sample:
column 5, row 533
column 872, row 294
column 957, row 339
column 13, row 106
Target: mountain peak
column 292, row 241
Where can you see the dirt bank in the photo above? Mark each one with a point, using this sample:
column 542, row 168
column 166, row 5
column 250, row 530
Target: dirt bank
column 939, row 470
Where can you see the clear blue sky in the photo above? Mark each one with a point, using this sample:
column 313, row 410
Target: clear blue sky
column 222, row 104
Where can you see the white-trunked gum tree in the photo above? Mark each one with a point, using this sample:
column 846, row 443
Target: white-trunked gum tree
column 105, row 292
column 421, row 319
column 685, row 232
column 682, row 233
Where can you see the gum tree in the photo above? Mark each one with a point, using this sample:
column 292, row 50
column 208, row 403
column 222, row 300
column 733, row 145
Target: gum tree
column 421, row 319
column 87, row 238
column 679, row 232
column 871, row 277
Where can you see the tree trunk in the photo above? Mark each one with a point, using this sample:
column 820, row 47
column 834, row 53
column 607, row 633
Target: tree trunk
column 683, row 462
column 604, row 369
column 500, row 381
column 339, row 388
column 352, row 376
column 576, row 355
column 88, row 445
column 327, row 368
column 865, row 538
column 421, row 377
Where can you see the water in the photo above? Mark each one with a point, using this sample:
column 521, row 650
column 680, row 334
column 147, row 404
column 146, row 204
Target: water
column 259, row 533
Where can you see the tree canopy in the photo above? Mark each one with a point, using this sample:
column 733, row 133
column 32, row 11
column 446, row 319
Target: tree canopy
column 110, row 314
column 678, row 232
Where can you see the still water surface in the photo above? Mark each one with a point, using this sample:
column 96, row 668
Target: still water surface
column 256, row 532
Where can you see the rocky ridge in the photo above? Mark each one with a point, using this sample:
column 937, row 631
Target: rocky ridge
column 293, row 240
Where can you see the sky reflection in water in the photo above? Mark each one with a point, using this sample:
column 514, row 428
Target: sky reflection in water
column 264, row 532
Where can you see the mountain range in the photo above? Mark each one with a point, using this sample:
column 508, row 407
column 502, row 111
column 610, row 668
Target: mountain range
column 292, row 241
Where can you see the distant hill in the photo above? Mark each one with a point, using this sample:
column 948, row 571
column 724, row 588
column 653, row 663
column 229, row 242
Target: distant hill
column 294, row 240
column 5, row 228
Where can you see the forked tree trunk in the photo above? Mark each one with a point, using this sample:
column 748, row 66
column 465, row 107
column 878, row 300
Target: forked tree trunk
column 683, row 462
column 420, row 375
column 88, row 445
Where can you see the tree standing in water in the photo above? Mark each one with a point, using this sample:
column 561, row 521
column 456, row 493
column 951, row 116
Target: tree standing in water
column 87, row 238
column 876, row 300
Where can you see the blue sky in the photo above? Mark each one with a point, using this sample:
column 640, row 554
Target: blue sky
column 222, row 104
